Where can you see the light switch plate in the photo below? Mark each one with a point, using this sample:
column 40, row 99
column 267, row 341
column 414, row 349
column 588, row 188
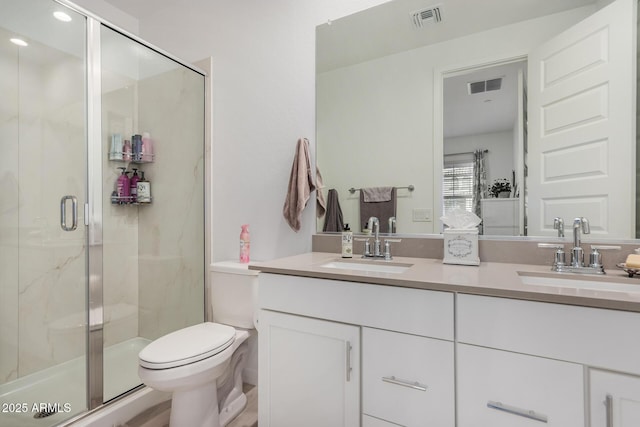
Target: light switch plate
column 422, row 215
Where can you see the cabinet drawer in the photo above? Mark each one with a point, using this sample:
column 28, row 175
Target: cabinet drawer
column 591, row 336
column 518, row 384
column 407, row 379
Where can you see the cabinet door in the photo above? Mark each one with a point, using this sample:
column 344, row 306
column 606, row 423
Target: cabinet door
column 407, row 379
column 309, row 372
column 502, row 389
column 614, row 399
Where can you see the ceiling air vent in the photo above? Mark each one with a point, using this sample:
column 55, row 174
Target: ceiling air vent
column 422, row 17
column 484, row 86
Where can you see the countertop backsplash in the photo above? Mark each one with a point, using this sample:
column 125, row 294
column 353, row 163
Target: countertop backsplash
column 491, row 250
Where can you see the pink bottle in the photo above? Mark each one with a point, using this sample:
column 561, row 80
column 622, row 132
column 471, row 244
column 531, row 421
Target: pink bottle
column 126, row 151
column 244, row 244
column 147, row 147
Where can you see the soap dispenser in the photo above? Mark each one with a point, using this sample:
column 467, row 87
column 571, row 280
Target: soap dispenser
column 347, row 242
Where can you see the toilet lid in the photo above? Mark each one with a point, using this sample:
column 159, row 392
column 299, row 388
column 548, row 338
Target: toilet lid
column 187, row 345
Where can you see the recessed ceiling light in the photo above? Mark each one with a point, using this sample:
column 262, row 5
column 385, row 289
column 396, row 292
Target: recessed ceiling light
column 61, row 16
column 19, row 42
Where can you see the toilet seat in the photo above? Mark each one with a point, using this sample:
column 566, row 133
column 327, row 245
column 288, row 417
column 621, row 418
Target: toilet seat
column 188, row 345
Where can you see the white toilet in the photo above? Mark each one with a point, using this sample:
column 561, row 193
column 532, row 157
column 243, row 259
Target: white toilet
column 202, row 364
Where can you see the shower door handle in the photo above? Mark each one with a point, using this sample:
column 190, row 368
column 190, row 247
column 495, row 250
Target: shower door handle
column 74, row 213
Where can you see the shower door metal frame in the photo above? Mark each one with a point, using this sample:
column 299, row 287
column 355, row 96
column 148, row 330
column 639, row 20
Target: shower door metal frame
column 95, row 305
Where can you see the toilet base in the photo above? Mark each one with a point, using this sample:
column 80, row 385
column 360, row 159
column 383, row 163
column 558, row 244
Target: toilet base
column 232, row 409
column 196, row 407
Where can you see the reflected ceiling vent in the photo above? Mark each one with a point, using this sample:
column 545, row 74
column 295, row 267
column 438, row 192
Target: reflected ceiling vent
column 430, row 15
column 484, row 86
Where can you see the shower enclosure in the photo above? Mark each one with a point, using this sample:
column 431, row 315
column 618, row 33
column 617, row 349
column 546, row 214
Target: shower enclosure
column 87, row 278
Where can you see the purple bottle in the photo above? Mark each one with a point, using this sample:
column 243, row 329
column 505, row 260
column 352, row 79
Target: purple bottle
column 123, row 187
column 133, row 185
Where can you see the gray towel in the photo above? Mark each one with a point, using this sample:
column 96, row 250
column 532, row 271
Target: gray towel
column 333, row 220
column 381, row 210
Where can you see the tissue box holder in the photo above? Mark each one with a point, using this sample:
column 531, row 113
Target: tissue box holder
column 461, row 246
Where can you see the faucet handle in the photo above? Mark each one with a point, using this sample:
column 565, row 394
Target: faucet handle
column 387, row 250
column 559, row 259
column 595, row 258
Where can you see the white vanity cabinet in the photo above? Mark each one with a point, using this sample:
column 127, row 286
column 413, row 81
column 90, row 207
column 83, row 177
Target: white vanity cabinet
column 313, row 370
column 557, row 344
column 306, row 327
column 614, row 399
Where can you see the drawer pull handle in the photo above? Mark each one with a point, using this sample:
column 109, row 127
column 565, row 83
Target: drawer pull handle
column 411, row 384
column 517, row 411
column 349, row 368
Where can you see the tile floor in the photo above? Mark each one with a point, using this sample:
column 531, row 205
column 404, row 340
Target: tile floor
column 158, row 416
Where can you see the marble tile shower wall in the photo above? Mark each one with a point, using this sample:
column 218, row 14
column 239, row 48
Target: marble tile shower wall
column 153, row 262
column 171, row 233
column 42, row 281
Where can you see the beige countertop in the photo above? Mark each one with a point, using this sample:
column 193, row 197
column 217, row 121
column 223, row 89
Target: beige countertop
column 490, row 278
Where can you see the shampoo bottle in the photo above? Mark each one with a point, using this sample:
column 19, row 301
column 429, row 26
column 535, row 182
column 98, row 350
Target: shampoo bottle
column 133, row 185
column 245, row 244
column 347, row 242
column 136, row 146
column 143, row 193
column 123, row 187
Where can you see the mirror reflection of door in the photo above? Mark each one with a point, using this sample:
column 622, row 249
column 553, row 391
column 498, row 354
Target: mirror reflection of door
column 582, row 121
column 484, row 146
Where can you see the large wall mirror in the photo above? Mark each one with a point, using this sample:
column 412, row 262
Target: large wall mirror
column 443, row 99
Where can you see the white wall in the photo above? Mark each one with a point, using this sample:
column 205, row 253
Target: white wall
column 264, row 100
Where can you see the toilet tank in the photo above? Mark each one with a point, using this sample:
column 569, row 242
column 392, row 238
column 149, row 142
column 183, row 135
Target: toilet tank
column 234, row 291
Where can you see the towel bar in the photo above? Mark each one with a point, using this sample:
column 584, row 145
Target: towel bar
column 409, row 187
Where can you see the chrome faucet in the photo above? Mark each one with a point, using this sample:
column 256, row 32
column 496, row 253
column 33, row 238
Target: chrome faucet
column 577, row 254
column 558, row 224
column 374, row 226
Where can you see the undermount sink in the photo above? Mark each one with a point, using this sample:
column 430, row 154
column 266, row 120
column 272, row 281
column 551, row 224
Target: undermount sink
column 579, row 282
column 368, row 266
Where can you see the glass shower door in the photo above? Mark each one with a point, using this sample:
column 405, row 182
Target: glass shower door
column 43, row 255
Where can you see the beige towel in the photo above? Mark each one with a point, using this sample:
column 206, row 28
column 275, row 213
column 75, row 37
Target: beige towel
column 300, row 185
column 376, row 194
